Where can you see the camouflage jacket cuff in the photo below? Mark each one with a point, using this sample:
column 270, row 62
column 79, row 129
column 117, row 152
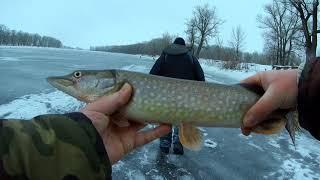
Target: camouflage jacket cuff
column 309, row 97
column 98, row 143
column 52, row 146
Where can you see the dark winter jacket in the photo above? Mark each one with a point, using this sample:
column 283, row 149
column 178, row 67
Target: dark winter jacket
column 177, row 62
column 309, row 97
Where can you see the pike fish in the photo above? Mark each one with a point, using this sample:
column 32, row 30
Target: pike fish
column 184, row 103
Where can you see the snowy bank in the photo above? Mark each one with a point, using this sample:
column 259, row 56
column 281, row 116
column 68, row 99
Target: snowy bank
column 216, row 67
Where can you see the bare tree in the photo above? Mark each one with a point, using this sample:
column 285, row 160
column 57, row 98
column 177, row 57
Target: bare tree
column 282, row 27
column 191, row 33
column 153, row 48
column 308, row 13
column 237, row 41
column 166, row 40
column 207, row 24
column 219, row 43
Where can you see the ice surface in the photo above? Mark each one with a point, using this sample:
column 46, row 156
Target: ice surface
column 300, row 162
column 9, row 59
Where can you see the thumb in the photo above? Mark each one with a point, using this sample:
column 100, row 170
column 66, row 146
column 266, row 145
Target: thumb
column 269, row 102
column 109, row 104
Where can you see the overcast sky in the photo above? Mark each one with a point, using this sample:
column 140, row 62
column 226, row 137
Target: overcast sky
column 83, row 23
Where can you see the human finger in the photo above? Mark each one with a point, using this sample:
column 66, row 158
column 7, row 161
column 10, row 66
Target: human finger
column 109, row 104
column 269, row 102
column 150, row 135
column 255, row 79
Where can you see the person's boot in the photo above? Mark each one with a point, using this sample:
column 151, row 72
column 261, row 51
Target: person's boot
column 165, row 143
column 178, row 148
column 165, row 150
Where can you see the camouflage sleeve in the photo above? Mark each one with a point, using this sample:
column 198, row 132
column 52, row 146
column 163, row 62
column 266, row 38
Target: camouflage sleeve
column 52, row 147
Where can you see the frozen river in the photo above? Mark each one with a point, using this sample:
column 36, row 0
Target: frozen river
column 226, row 153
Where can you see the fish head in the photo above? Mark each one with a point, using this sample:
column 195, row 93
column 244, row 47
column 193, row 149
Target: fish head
column 86, row 85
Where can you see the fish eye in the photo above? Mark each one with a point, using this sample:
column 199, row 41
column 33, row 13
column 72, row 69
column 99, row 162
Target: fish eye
column 77, row 74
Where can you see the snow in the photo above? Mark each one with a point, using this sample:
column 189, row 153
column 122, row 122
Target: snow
column 29, row 106
column 307, row 146
column 118, row 166
column 255, row 146
column 215, row 66
column 245, row 137
column 296, row 164
column 273, row 142
column 201, row 129
column 136, row 68
column 143, row 56
column 298, row 168
column 210, row 143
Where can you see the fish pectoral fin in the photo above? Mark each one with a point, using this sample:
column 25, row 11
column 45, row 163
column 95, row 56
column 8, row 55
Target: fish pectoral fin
column 120, row 120
column 292, row 125
column 190, row 136
column 275, row 125
column 270, row 126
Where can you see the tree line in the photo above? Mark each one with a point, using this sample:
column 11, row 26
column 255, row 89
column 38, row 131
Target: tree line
column 20, row 38
column 155, row 46
column 290, row 29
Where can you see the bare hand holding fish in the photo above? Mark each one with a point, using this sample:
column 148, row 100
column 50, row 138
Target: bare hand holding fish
column 119, row 141
column 281, row 92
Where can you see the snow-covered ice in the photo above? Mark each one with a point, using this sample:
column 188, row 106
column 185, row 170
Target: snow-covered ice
column 31, row 105
column 210, row 143
column 274, row 157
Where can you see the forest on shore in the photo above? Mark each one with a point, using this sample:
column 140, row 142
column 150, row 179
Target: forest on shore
column 10, row 37
column 289, row 27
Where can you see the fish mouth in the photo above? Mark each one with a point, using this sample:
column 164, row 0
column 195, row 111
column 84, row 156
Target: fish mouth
column 60, row 82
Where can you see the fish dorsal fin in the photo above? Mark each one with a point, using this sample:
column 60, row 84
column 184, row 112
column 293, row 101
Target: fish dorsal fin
column 190, row 136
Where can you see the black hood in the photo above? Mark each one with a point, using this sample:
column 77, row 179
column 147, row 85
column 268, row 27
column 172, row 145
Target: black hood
column 176, row 49
column 180, row 41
